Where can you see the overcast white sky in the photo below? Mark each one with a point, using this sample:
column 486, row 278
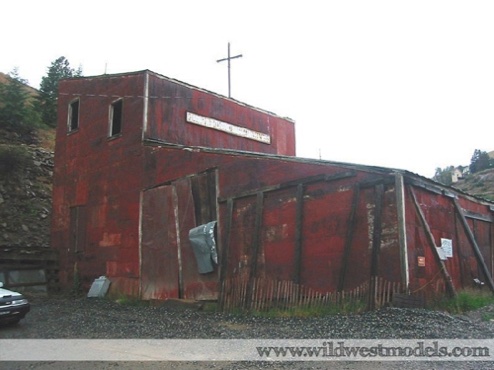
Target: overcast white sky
column 402, row 84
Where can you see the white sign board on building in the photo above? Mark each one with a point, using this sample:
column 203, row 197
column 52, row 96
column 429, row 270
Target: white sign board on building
column 228, row 128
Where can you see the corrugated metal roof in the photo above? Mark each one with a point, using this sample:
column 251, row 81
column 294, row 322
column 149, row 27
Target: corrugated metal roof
column 425, row 182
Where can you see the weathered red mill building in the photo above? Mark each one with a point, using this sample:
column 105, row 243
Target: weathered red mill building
column 142, row 159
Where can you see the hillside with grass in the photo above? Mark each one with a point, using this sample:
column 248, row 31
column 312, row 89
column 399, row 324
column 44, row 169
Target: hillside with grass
column 26, row 171
column 480, row 184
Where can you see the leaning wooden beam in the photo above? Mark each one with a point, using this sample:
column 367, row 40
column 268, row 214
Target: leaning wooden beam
column 349, row 237
column 475, row 246
column 432, row 243
column 402, row 229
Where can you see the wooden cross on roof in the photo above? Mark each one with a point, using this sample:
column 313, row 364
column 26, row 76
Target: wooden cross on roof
column 228, row 59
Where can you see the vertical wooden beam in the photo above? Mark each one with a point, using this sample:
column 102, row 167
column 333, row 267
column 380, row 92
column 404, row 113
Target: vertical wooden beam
column 475, row 246
column 432, row 244
column 225, row 250
column 376, row 243
column 377, row 229
column 141, row 204
column 195, row 188
column 349, row 237
column 255, row 249
column 179, row 247
column 213, row 194
column 402, row 229
column 299, row 218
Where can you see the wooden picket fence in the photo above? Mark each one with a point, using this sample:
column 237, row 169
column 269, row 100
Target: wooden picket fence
column 262, row 294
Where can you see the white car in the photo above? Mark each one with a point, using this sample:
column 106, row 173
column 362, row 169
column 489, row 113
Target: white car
column 13, row 306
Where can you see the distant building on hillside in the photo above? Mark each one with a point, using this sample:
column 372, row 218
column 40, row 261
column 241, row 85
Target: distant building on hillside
column 459, row 173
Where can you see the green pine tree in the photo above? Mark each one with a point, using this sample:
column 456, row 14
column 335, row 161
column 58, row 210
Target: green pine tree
column 16, row 110
column 58, row 70
column 480, row 161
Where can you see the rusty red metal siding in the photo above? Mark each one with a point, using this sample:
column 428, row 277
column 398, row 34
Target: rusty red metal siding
column 326, row 209
column 169, row 102
column 444, row 221
column 123, row 207
column 101, row 175
column 278, row 234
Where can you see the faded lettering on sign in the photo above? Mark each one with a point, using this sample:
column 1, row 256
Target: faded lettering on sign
column 228, row 128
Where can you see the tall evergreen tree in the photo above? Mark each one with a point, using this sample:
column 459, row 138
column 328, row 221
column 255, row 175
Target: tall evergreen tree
column 16, row 111
column 58, row 70
column 444, row 176
column 480, row 161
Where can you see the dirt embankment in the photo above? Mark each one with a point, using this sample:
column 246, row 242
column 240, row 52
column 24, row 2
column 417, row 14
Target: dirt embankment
column 26, row 171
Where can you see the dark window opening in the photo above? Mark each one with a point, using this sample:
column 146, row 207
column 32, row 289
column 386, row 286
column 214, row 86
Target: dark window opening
column 203, row 237
column 73, row 115
column 204, row 196
column 116, row 117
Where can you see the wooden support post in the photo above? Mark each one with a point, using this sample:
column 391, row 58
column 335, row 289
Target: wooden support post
column 224, row 252
column 376, row 243
column 349, row 237
column 476, row 249
column 255, row 249
column 432, row 243
column 377, row 229
column 402, row 229
column 298, row 232
column 179, row 247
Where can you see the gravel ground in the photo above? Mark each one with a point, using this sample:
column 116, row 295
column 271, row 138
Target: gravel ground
column 63, row 317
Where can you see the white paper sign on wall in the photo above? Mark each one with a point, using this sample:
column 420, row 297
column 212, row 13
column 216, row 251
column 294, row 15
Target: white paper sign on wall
column 447, row 246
